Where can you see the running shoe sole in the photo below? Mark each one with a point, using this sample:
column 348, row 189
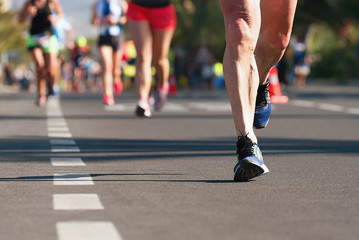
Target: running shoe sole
column 247, row 169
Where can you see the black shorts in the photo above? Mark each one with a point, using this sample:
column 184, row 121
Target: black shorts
column 113, row 41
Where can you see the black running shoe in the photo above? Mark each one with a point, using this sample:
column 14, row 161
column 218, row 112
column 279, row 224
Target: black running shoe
column 250, row 161
column 263, row 107
column 140, row 112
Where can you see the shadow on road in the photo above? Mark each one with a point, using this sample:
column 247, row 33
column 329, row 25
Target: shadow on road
column 39, row 149
column 114, row 178
column 102, row 150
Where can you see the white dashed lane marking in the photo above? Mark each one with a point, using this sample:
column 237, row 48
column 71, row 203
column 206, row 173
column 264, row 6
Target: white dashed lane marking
column 61, row 141
column 65, row 149
column 77, row 202
column 67, row 162
column 354, row 111
column 73, row 179
column 59, row 135
column 330, row 107
column 58, row 129
column 87, row 231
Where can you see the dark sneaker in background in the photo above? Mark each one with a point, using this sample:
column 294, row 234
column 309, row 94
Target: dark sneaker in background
column 160, row 95
column 141, row 112
column 143, row 108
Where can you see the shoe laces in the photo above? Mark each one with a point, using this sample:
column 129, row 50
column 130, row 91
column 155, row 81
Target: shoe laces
column 263, row 95
column 246, row 148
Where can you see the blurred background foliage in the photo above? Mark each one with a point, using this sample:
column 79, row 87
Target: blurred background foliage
column 330, row 27
column 11, row 37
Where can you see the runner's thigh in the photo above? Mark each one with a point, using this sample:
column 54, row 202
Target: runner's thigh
column 277, row 18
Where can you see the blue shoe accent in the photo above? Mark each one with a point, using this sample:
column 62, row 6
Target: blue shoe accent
column 250, row 161
column 261, row 116
column 263, row 107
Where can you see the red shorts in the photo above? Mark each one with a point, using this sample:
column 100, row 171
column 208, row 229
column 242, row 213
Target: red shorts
column 162, row 18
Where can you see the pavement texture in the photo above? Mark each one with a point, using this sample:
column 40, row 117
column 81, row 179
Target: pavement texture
column 171, row 176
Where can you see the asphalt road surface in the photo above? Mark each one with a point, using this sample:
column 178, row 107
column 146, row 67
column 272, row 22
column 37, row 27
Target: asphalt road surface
column 77, row 170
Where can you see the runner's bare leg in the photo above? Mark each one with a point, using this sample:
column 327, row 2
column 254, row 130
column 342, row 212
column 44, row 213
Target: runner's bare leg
column 277, row 21
column 242, row 23
column 141, row 34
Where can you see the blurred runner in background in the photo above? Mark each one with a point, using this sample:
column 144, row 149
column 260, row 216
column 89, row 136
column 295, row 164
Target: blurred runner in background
column 42, row 43
column 152, row 24
column 65, row 37
column 110, row 15
column 301, row 62
column 79, row 55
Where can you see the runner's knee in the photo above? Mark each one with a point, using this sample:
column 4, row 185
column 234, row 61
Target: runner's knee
column 107, row 68
column 143, row 60
column 278, row 42
column 40, row 68
column 161, row 62
column 239, row 34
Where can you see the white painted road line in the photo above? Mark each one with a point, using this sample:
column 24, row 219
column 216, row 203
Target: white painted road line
column 303, row 103
column 62, row 142
column 58, row 129
column 64, row 149
column 212, row 106
column 59, row 135
column 77, row 202
column 330, row 107
column 53, row 103
column 172, row 107
column 324, row 106
column 354, row 111
column 120, row 107
column 73, row 179
column 67, row 162
column 87, row 231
